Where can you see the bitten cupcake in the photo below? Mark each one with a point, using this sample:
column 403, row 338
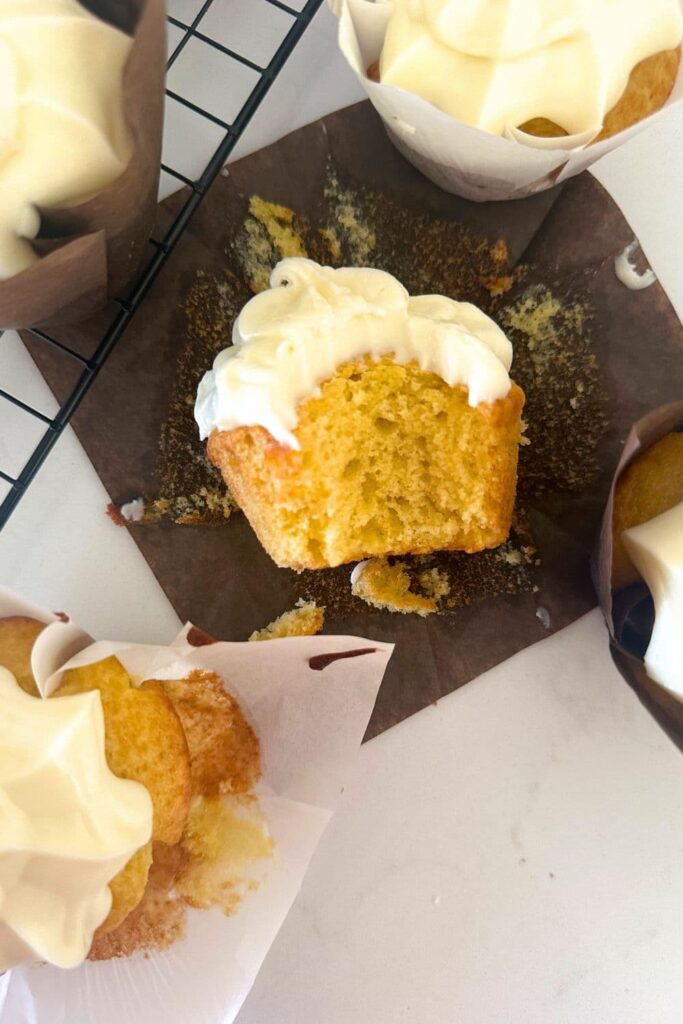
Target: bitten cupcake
column 351, row 420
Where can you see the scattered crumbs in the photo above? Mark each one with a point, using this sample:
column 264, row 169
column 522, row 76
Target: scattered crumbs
column 305, row 619
column 550, row 874
column 435, row 583
column 556, row 365
column 499, row 251
column 386, row 584
column 270, row 233
column 522, row 860
column 204, row 506
column 358, row 236
column 543, row 616
column 499, row 285
column 331, row 239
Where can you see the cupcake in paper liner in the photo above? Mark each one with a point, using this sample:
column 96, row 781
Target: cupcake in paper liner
column 638, row 564
column 157, row 814
column 82, row 97
column 499, row 99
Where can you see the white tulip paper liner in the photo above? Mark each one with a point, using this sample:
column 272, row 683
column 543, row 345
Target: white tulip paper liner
column 455, row 156
column 310, row 724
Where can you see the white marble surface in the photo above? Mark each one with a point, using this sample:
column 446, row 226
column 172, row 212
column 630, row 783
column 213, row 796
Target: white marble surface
column 419, row 906
column 511, row 856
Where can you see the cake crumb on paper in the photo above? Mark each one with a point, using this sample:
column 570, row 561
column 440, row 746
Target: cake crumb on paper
column 384, row 585
column 305, row 619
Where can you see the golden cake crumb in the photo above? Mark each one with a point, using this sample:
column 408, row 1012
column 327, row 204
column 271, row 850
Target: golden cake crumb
column 434, row 582
column 226, row 838
column 385, row 585
column 305, row 619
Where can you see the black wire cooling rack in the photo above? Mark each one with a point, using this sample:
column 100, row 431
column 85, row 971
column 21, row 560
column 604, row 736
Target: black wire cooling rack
column 294, row 23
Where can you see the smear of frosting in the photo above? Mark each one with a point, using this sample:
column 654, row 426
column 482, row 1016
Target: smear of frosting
column 62, row 132
column 495, row 64
column 628, row 273
column 291, row 338
column 67, row 825
column 656, row 549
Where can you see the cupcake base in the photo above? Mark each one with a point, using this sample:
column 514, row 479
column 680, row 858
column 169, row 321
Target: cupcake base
column 392, row 460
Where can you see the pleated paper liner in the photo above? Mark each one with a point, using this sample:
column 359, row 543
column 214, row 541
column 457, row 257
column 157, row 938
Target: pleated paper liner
column 91, row 252
column 591, row 355
column 205, row 974
column 455, row 156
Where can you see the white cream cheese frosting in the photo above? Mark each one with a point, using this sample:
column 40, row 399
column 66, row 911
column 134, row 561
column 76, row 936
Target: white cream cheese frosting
column 62, row 132
column 67, row 825
column 656, row 550
column 291, row 338
column 495, row 64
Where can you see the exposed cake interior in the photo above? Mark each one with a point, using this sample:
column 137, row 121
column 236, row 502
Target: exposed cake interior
column 391, row 460
column 350, row 419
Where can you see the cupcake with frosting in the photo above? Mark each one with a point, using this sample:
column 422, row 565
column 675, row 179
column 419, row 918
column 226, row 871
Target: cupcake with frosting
column 350, row 419
column 82, row 101
column 497, row 98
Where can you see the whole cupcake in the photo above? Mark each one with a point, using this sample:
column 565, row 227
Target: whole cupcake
column 545, row 79
column 350, row 419
column 79, row 152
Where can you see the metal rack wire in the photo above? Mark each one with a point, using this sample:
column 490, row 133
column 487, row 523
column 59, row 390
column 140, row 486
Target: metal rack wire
column 192, row 31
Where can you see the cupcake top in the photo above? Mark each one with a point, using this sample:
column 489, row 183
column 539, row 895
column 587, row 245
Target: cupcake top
column 291, row 338
column 496, row 64
column 656, row 549
column 62, row 132
column 68, row 825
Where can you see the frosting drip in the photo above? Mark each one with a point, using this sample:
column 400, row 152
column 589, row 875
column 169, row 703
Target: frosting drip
column 62, row 132
column 67, row 825
column 291, row 338
column 495, row 64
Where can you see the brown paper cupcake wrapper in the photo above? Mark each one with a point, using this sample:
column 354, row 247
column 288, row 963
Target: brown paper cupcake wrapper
column 629, row 612
column 92, row 251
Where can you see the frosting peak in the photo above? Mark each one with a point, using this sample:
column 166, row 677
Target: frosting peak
column 291, row 338
column 68, row 825
column 495, row 64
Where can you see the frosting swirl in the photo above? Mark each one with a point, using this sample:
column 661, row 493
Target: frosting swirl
column 62, row 134
column 291, row 338
column 67, row 825
column 495, row 64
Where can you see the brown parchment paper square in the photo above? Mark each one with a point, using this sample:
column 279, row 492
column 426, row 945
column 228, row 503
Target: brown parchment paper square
column 591, row 356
